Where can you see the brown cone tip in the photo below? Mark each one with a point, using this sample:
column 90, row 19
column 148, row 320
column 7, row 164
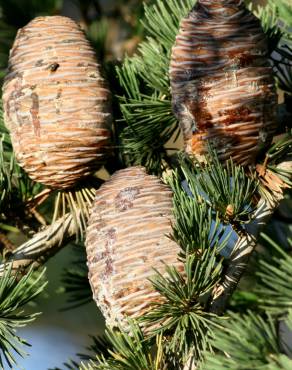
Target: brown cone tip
column 222, row 85
column 127, row 238
column 56, row 104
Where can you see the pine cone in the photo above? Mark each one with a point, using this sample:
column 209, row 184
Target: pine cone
column 127, row 238
column 56, row 103
column 222, row 85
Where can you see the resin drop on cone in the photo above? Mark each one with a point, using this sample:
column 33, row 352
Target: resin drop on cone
column 221, row 82
column 56, row 103
column 126, row 238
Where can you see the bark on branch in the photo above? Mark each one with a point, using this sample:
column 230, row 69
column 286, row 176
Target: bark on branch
column 42, row 245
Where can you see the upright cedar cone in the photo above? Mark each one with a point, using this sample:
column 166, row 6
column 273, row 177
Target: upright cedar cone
column 56, row 103
column 126, row 239
column 222, row 84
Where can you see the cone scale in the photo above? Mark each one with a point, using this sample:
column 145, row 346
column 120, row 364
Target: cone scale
column 221, row 82
column 126, row 238
column 56, row 104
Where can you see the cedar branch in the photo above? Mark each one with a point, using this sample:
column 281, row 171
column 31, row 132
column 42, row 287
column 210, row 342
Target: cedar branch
column 242, row 251
column 246, row 244
column 42, row 245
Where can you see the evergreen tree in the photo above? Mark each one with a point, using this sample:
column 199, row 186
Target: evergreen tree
column 222, row 212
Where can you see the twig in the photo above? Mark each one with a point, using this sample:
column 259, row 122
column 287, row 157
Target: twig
column 244, row 247
column 191, row 363
column 35, row 202
column 42, row 245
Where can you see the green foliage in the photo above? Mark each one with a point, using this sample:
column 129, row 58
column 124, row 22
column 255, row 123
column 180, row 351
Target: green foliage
column 269, row 17
column 280, row 152
column 275, row 280
column 15, row 292
column 97, row 32
column 275, row 18
column 146, row 134
column 242, row 300
column 226, row 188
column 129, row 352
column 285, row 15
column 182, row 316
column 276, row 21
column 267, row 286
column 279, row 362
column 196, row 227
column 280, row 149
column 246, row 342
column 146, row 104
column 165, row 17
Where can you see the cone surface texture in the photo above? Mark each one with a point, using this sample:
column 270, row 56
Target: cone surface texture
column 56, row 104
column 222, row 85
column 127, row 238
